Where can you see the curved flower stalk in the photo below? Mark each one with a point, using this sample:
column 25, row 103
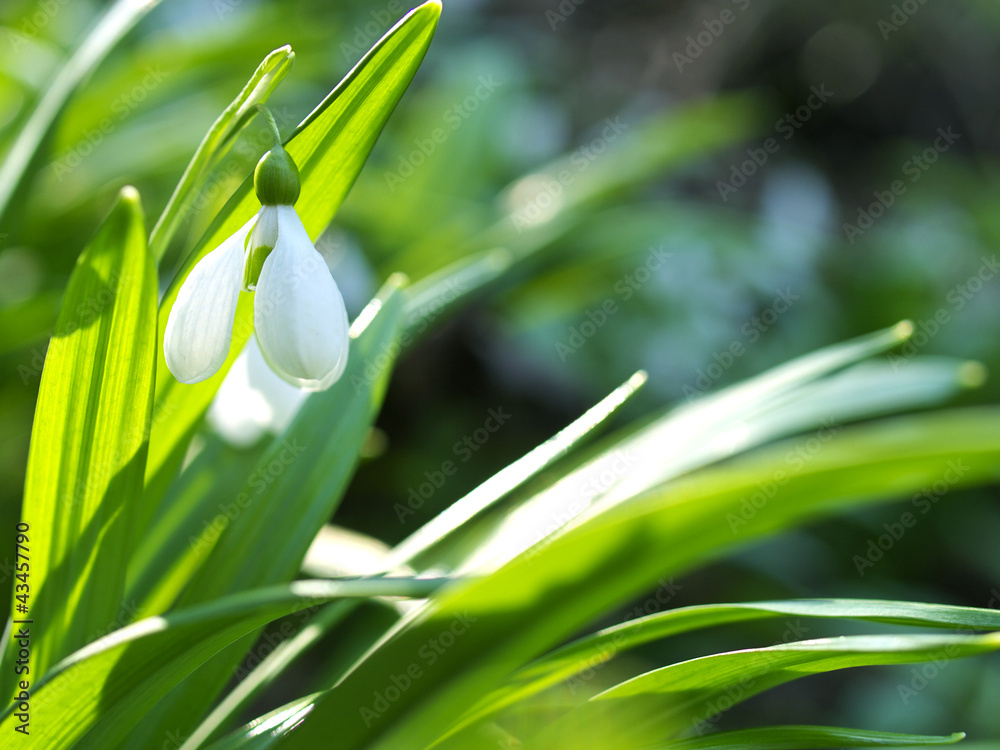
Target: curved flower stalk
column 299, row 316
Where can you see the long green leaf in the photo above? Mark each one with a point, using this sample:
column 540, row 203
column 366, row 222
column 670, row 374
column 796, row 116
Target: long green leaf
column 88, row 445
column 265, row 730
column 283, row 496
column 813, row 391
column 300, row 479
column 92, row 698
column 686, row 696
column 597, row 649
column 168, row 554
column 753, row 397
column 505, row 481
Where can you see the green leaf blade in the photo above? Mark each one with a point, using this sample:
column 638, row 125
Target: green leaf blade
column 89, row 441
column 611, row 642
column 93, row 698
column 440, row 528
column 685, row 696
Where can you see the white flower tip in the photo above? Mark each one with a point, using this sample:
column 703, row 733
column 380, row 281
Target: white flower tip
column 185, row 362
column 188, row 378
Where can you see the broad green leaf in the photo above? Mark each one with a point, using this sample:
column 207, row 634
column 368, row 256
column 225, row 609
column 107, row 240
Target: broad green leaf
column 92, row 698
column 438, row 529
column 109, row 30
column 753, row 397
column 929, row 384
column 865, row 390
column 88, row 445
column 270, row 669
column 166, row 558
column 279, row 508
column 330, row 146
column 762, row 738
column 795, row 737
column 597, row 649
column 217, row 142
column 529, row 605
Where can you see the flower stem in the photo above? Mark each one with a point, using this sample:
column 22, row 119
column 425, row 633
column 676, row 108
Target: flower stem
column 270, row 123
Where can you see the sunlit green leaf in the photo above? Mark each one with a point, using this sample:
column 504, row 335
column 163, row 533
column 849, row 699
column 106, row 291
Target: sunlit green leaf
column 92, row 698
column 88, row 445
column 685, row 696
column 440, row 528
column 607, row 644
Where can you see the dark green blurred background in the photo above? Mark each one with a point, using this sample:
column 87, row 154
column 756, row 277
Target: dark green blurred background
column 694, row 271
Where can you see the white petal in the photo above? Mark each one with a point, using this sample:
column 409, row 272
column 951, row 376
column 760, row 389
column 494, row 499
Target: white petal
column 200, row 327
column 239, row 413
column 253, row 400
column 299, row 315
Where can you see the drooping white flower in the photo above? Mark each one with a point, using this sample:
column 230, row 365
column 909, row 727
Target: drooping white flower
column 253, row 400
column 299, row 315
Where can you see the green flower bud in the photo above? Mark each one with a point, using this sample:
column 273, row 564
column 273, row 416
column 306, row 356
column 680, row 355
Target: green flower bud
column 276, row 178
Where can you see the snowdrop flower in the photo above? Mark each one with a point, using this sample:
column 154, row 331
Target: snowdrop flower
column 253, row 400
column 299, row 315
